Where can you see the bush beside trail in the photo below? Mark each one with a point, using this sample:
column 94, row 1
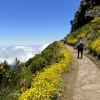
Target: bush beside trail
column 47, row 85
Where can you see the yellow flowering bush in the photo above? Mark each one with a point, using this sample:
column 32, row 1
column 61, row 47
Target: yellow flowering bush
column 47, row 85
column 98, row 33
column 72, row 41
column 97, row 19
column 95, row 45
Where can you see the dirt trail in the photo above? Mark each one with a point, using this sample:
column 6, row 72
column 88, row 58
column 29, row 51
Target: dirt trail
column 87, row 83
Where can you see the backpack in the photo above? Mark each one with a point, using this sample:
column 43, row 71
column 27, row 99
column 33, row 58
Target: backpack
column 80, row 45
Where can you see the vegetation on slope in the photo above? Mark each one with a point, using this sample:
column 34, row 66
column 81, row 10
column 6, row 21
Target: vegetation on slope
column 90, row 34
column 44, row 68
column 12, row 81
column 47, row 85
column 52, row 54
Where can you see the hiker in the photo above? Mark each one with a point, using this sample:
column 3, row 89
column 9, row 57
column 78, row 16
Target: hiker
column 80, row 47
column 63, row 41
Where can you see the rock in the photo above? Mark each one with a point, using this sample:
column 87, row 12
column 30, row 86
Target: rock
column 91, row 87
column 82, row 17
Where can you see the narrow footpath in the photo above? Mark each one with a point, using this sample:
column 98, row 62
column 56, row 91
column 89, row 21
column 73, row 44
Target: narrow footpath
column 87, row 84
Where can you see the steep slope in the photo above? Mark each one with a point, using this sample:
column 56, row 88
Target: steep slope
column 47, row 85
column 90, row 34
column 51, row 54
column 38, row 78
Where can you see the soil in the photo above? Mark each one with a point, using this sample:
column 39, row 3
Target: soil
column 69, row 81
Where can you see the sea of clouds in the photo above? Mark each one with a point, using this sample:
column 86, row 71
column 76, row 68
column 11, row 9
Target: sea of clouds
column 22, row 53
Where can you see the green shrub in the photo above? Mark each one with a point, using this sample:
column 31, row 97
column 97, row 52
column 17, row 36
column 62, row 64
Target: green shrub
column 52, row 54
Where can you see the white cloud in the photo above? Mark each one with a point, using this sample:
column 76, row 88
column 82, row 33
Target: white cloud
column 23, row 53
column 43, row 47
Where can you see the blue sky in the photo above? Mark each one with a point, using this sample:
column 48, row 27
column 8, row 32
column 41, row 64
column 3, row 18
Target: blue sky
column 35, row 22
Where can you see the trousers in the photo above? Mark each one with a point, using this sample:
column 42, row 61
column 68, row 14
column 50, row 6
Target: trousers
column 80, row 51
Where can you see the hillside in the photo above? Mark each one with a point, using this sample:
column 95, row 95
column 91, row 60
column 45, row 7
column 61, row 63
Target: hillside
column 38, row 78
column 90, row 34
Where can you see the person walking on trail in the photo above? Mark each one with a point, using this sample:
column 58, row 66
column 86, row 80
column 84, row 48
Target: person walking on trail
column 80, row 47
